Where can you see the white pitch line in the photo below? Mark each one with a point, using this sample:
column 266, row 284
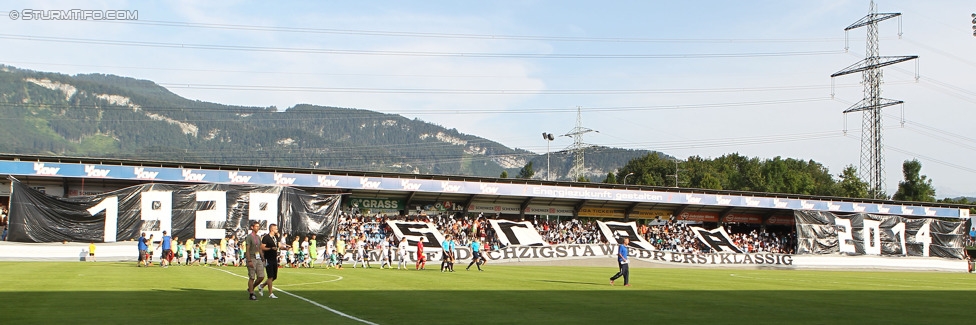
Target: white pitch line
column 307, row 300
column 307, row 283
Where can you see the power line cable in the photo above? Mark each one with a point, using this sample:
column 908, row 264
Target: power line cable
column 359, row 32
column 334, row 115
column 411, row 53
column 491, row 91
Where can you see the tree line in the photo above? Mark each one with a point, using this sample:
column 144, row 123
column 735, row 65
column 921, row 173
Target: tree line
column 776, row 175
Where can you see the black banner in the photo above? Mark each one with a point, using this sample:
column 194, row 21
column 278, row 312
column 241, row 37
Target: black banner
column 516, row 233
column 717, row 239
column 615, row 232
column 868, row 234
column 418, row 231
column 207, row 211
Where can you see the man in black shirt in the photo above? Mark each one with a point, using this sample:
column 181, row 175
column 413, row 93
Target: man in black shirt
column 270, row 244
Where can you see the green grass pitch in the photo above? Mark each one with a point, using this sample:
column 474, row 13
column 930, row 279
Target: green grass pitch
column 121, row 293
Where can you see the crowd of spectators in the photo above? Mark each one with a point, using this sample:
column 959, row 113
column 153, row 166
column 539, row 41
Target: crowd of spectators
column 668, row 235
column 672, row 236
column 571, row 231
column 376, row 230
column 753, row 238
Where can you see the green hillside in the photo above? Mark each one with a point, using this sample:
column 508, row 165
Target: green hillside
column 97, row 115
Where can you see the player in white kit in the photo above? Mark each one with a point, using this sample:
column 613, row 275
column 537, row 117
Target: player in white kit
column 385, row 254
column 402, row 252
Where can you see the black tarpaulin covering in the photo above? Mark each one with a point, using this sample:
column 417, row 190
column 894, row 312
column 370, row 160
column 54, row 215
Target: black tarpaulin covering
column 37, row 217
column 820, row 232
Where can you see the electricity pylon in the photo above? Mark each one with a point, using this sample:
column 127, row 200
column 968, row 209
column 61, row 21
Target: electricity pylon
column 872, row 157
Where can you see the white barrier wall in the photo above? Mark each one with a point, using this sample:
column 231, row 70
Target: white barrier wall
column 127, row 251
column 104, row 252
column 878, row 262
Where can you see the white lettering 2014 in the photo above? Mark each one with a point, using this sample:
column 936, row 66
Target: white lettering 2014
column 871, row 236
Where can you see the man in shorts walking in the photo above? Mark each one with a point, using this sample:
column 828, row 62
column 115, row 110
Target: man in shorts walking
column 255, row 260
column 143, row 261
column 270, row 244
column 166, row 250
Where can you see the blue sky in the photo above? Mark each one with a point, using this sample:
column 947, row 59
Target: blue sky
column 706, row 77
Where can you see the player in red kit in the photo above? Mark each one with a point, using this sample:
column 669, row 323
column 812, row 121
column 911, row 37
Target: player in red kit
column 421, row 260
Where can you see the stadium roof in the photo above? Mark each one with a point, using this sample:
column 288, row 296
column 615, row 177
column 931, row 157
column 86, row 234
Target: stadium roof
column 474, row 194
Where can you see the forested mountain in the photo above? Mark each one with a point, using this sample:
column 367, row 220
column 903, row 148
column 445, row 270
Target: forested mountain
column 96, row 115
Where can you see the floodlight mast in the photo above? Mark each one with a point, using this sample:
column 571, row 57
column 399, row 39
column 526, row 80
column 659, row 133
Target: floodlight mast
column 548, row 137
column 872, row 157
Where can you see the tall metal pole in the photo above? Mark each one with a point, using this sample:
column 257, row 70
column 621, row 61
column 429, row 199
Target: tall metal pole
column 579, row 148
column 675, row 173
column 872, row 157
